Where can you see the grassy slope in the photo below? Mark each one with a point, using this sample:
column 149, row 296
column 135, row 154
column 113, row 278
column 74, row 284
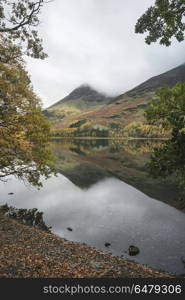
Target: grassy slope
column 87, row 104
column 121, row 112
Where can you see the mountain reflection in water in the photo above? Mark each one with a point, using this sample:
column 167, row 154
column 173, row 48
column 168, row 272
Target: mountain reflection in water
column 109, row 211
column 85, row 162
column 95, row 201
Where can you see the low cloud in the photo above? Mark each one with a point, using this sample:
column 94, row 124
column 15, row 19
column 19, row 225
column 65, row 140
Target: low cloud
column 93, row 41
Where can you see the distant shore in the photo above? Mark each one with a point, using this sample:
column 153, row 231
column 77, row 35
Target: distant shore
column 105, row 138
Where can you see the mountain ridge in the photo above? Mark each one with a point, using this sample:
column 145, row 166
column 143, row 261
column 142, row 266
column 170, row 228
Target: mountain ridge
column 170, row 78
column 84, row 93
column 86, row 108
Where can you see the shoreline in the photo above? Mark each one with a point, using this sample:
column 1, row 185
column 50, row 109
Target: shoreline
column 28, row 252
column 106, row 138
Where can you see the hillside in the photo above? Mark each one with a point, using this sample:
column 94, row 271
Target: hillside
column 169, row 78
column 81, row 99
column 86, row 112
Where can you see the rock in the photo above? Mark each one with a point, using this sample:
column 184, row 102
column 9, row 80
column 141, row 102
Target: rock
column 133, row 250
column 107, row 244
column 69, row 229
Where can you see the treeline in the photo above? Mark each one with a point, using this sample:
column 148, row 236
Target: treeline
column 142, row 130
column 83, row 128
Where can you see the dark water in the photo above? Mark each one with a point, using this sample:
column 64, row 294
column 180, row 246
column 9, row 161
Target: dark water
column 93, row 199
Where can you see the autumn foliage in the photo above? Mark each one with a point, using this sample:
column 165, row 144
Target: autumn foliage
column 23, row 129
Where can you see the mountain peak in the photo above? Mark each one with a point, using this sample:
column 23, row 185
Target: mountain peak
column 83, row 90
column 83, row 97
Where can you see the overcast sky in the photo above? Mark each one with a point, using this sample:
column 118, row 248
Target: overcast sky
column 93, row 42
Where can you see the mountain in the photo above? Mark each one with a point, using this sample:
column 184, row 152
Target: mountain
column 169, row 78
column 83, row 97
column 87, row 107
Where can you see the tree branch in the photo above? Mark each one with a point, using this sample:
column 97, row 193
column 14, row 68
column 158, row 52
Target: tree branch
column 27, row 19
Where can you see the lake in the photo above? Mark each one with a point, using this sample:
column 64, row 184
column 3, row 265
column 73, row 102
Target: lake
column 104, row 194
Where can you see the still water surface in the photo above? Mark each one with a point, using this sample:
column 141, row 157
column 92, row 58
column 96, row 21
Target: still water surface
column 105, row 208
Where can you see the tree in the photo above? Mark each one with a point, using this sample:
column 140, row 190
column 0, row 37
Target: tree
column 18, row 20
column 23, row 130
column 163, row 21
column 169, row 111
